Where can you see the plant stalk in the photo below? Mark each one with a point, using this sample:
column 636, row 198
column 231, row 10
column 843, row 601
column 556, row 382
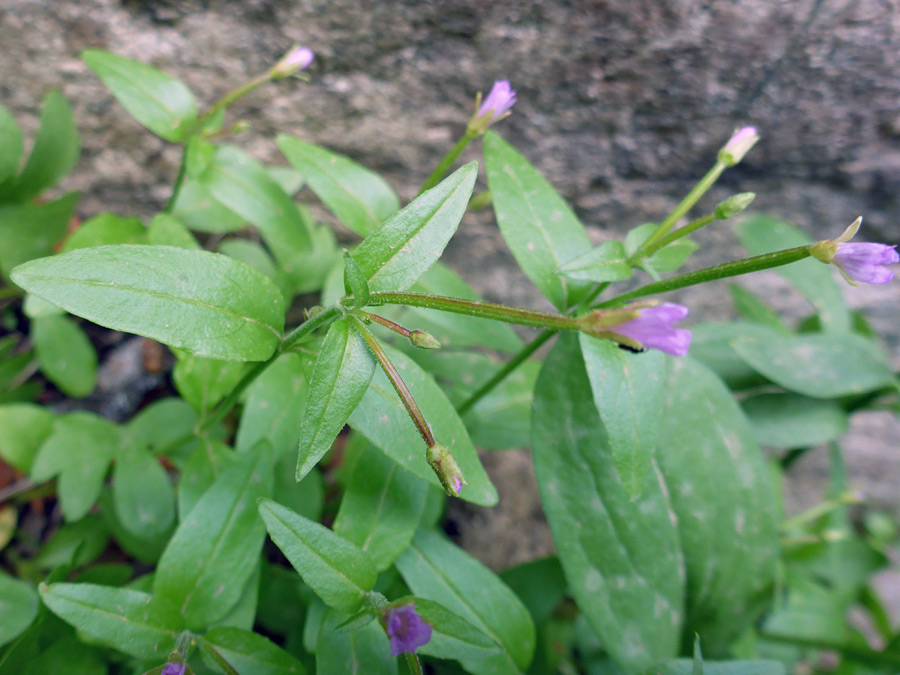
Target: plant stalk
column 441, row 170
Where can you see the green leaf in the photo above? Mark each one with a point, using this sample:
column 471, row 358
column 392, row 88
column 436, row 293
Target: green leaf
column 105, row 229
column 161, row 103
column 274, row 407
column 136, row 623
column 627, row 390
column 166, row 230
column 160, row 424
column 142, row 547
column 254, row 255
column 18, row 607
column 812, row 279
column 340, row 573
column 395, row 255
column 29, row 231
column 205, row 303
column 66, row 355
column 686, row 667
column 435, row 569
column 203, row 467
column 216, row 547
column 752, row 308
column 54, row 153
column 79, row 451
column 667, row 259
column 607, row 262
column 540, row 229
column 820, row 366
column 355, row 283
column 721, row 493
column 198, row 209
column 362, row 651
column 74, row 544
column 143, row 496
column 453, row 637
column 314, row 265
column 11, row 145
column 539, row 584
column 382, row 418
column 68, row 655
column 342, row 374
column 713, row 345
column 23, row 428
column 204, row 382
column 360, row 199
column 243, row 613
column 621, row 557
column 381, row 507
column 252, row 654
column 243, row 185
column 794, row 421
column 455, row 331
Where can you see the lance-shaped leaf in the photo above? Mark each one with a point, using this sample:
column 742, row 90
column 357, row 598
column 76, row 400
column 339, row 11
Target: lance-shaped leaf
column 540, row 229
column 160, row 102
column 622, row 558
column 360, row 198
column 216, row 547
column 381, row 507
column 340, row 573
column 627, row 391
column 342, row 374
column 721, row 491
column 361, row 651
column 239, row 182
column 132, row 622
column 785, row 420
column 66, row 355
column 251, row 653
column 105, row 229
column 437, row 570
column 55, row 151
column 820, row 366
column 382, row 418
column 607, row 262
column 395, row 255
column 29, row 231
column 207, row 304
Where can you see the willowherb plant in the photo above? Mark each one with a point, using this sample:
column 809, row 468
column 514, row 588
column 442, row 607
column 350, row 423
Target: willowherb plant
column 645, row 434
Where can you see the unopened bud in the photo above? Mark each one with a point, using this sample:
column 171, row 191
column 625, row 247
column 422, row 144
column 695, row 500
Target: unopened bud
column 442, row 463
column 240, row 127
column 297, row 59
column 423, row 340
column 734, row 205
column 738, row 146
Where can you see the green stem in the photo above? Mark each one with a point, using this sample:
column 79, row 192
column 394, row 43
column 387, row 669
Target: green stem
column 412, row 662
column 438, row 174
column 685, row 205
column 730, row 269
column 479, row 309
column 214, row 654
column 693, row 226
column 179, row 180
column 387, row 323
column 234, row 95
column 856, row 653
column 231, row 400
column 301, row 332
column 819, row 510
column 399, row 385
column 504, row 372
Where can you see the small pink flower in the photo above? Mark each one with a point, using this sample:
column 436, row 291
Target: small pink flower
column 406, row 630
column 866, row 262
column 738, row 145
column 653, row 329
column 299, row 58
column 498, row 102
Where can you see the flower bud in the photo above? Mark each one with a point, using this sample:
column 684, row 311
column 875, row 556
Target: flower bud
column 734, row 205
column 297, row 59
column 423, row 340
column 495, row 107
column 738, row 146
column 442, row 463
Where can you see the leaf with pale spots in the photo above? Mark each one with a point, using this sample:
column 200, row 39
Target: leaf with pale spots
column 216, row 547
column 204, row 303
column 540, row 229
column 622, row 558
column 722, row 494
column 135, row 623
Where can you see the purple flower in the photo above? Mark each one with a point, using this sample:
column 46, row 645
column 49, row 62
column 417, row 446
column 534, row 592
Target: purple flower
column 653, row 328
column 405, row 628
column 173, row 668
column 866, row 262
column 498, row 102
column 297, row 59
column 738, row 145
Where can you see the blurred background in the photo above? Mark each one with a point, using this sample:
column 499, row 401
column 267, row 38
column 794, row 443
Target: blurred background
column 622, row 104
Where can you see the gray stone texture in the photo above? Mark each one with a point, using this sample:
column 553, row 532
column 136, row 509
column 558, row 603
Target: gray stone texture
column 622, row 105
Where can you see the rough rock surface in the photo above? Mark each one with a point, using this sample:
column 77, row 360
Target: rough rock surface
column 622, row 104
